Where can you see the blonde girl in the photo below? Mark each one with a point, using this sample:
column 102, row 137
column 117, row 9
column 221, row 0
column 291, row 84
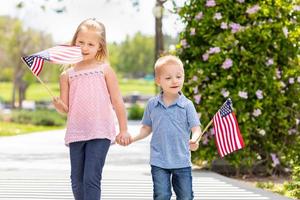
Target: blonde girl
column 90, row 91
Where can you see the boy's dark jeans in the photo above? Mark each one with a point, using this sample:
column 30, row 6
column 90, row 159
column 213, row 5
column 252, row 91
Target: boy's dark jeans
column 181, row 180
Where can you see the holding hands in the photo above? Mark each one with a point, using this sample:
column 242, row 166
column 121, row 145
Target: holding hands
column 124, row 139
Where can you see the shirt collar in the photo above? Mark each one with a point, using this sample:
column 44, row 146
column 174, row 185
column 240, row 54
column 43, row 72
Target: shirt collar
column 179, row 101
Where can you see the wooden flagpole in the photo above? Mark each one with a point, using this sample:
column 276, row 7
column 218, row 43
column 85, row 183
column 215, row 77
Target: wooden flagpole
column 45, row 86
column 205, row 129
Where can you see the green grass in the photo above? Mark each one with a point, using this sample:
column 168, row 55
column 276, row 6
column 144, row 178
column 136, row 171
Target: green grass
column 37, row 92
column 5, row 91
column 11, row 129
column 133, row 85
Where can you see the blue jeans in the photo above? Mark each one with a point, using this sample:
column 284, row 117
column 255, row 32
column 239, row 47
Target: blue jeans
column 87, row 161
column 180, row 178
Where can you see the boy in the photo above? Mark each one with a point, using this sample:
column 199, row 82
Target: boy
column 171, row 117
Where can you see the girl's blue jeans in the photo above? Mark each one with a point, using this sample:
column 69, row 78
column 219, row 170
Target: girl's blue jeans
column 180, row 179
column 87, row 161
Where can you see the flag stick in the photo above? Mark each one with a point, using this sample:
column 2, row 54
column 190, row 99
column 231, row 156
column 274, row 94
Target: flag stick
column 47, row 88
column 207, row 126
column 205, row 129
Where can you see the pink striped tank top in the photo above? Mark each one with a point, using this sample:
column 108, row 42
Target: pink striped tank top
column 91, row 115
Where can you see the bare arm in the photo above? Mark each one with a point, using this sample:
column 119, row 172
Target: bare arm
column 196, row 133
column 144, row 132
column 118, row 104
column 61, row 103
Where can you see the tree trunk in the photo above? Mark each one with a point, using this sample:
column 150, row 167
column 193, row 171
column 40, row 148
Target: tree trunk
column 18, row 82
column 13, row 98
column 159, row 43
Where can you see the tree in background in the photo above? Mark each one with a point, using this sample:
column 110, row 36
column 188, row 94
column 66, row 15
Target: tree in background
column 134, row 56
column 17, row 43
column 248, row 51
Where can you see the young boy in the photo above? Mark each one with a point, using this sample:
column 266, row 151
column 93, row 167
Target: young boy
column 171, row 117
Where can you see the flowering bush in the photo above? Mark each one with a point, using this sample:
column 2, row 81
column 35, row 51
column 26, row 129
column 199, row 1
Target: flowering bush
column 248, row 51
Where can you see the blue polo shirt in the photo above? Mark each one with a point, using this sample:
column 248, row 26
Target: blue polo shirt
column 171, row 129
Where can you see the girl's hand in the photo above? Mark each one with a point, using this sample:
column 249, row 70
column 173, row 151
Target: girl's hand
column 124, row 139
column 59, row 105
column 193, row 145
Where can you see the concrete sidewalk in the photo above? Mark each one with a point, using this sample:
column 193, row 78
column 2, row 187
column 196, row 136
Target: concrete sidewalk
column 36, row 166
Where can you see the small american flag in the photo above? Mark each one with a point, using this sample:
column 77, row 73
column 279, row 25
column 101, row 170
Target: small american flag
column 61, row 54
column 227, row 133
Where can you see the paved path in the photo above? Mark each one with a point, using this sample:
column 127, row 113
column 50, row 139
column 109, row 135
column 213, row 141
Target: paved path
column 36, row 167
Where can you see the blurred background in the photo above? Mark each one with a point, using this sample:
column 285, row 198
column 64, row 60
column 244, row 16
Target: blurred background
column 135, row 37
column 245, row 50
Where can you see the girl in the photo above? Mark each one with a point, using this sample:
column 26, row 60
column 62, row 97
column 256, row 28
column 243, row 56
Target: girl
column 88, row 94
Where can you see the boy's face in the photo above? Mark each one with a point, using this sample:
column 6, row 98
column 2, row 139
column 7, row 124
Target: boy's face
column 170, row 78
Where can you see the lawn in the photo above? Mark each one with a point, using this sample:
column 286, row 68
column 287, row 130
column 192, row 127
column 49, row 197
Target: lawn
column 10, row 129
column 37, row 92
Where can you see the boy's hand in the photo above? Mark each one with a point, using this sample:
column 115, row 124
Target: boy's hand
column 193, row 145
column 124, row 139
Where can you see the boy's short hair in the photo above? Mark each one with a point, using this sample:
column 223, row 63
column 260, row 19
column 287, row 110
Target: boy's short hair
column 165, row 60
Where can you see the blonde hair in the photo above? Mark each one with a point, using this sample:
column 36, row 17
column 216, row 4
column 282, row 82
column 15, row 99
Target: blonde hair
column 102, row 54
column 166, row 60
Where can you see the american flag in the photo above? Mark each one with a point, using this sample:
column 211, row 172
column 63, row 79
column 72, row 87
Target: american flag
column 227, row 133
column 61, row 54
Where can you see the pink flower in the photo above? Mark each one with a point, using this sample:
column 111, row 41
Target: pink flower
column 224, row 25
column 195, row 78
column 270, row 62
column 298, row 79
column 291, row 80
column 193, row 31
column 205, row 56
column 227, row 63
column 240, row 1
column 253, row 9
column 278, row 73
column 218, row 16
column 296, row 8
column 197, row 98
column 243, row 94
column 256, row 112
column 275, row 159
column 205, row 139
column 225, row 92
column 259, row 94
column 196, row 90
column 210, row 3
column 199, row 16
column 183, row 43
column 235, row 27
column 214, row 50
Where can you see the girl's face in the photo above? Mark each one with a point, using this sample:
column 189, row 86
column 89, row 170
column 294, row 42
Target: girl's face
column 171, row 79
column 88, row 40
